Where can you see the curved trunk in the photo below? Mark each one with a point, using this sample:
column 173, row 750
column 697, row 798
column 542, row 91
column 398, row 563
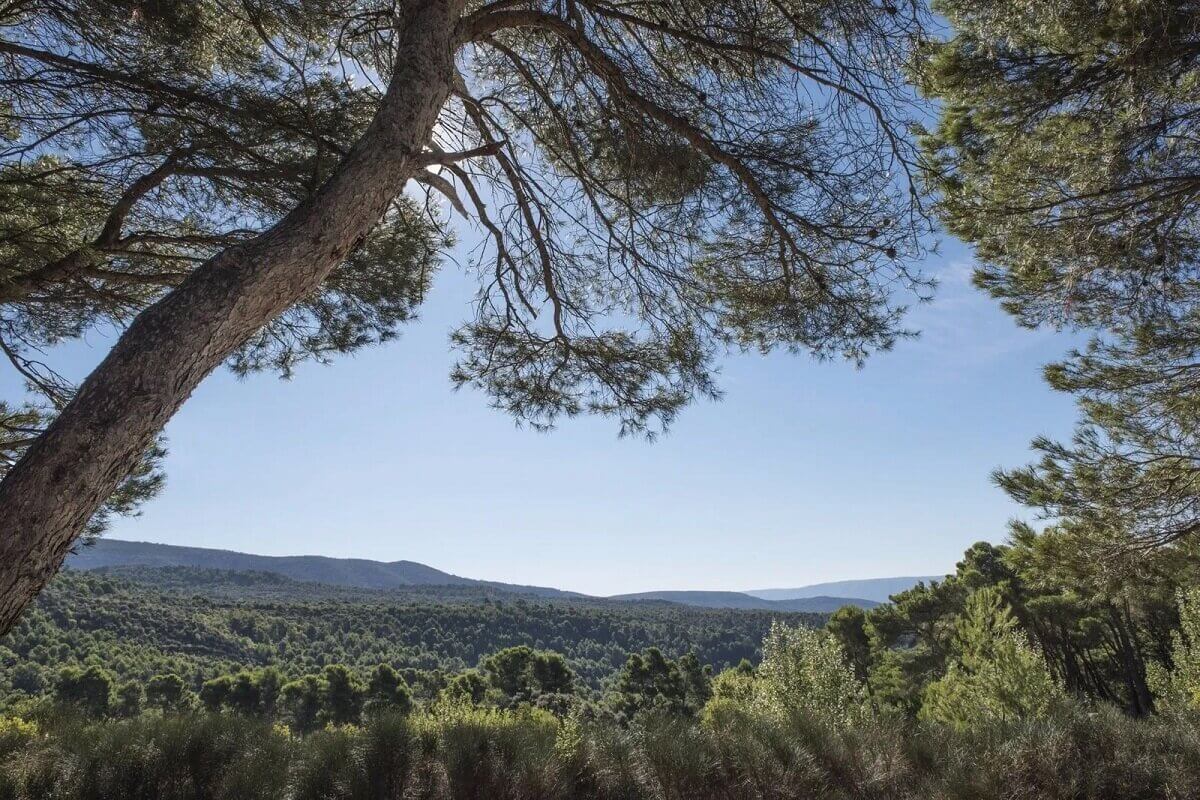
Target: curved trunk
column 49, row 496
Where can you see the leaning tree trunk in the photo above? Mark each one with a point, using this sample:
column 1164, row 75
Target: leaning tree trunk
column 49, row 496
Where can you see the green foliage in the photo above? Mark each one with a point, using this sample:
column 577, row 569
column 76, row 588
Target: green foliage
column 521, row 675
column 805, row 672
column 169, row 693
column 128, row 700
column 996, row 676
column 848, row 626
column 1097, row 621
column 1179, row 687
column 466, row 688
column 387, row 691
column 732, row 693
column 1068, row 155
column 651, row 682
column 91, row 689
column 300, row 701
column 250, row 692
column 342, row 695
column 456, row 752
column 209, row 625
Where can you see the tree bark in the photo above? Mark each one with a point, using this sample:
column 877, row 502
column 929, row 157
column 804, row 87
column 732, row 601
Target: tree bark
column 49, row 496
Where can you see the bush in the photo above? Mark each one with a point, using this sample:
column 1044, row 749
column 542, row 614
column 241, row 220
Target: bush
column 805, row 671
column 152, row 758
column 488, row 752
column 459, row 752
column 1179, row 689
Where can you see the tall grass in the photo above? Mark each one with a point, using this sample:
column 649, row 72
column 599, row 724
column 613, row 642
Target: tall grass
column 464, row 753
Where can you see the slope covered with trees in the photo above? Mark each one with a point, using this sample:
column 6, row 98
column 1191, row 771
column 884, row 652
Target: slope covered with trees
column 358, row 572
column 207, row 623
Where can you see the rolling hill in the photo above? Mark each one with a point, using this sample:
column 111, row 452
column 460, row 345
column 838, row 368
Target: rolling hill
column 877, row 589
column 356, row 572
column 360, row 573
column 820, row 604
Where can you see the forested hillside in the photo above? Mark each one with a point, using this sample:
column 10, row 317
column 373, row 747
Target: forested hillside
column 199, row 624
column 356, row 572
column 152, row 562
column 878, row 589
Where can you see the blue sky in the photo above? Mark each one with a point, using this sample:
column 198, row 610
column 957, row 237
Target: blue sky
column 805, row 472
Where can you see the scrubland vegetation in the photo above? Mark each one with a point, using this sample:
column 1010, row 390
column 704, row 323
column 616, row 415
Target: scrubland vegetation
column 951, row 691
column 462, row 752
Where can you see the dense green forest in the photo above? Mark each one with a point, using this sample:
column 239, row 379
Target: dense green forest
column 198, row 624
column 1102, row 625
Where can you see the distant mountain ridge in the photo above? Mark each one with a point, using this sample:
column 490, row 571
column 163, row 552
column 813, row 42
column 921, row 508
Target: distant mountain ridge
column 357, row 572
column 817, row 604
column 878, row 589
column 363, row 573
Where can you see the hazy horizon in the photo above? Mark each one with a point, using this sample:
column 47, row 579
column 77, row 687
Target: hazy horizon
column 750, row 591
column 804, row 473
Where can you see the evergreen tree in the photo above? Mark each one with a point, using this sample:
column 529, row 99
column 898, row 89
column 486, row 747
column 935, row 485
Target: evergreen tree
column 1068, row 154
column 301, row 701
column 996, row 676
column 342, row 695
column 91, row 689
column 1097, row 617
column 523, row 675
column 168, row 693
column 697, row 681
column 468, row 688
column 215, row 692
column 848, row 625
column 650, row 681
column 128, row 700
column 387, row 690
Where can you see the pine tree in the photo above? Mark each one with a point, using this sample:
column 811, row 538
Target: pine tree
column 1068, row 154
column 387, row 690
column 90, row 690
column 301, row 702
column 652, row 187
column 342, row 695
column 997, row 676
column 168, row 693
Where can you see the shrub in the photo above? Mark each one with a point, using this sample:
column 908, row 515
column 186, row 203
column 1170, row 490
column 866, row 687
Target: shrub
column 1179, row 689
column 16, row 733
column 460, row 752
column 489, row 752
column 805, row 671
